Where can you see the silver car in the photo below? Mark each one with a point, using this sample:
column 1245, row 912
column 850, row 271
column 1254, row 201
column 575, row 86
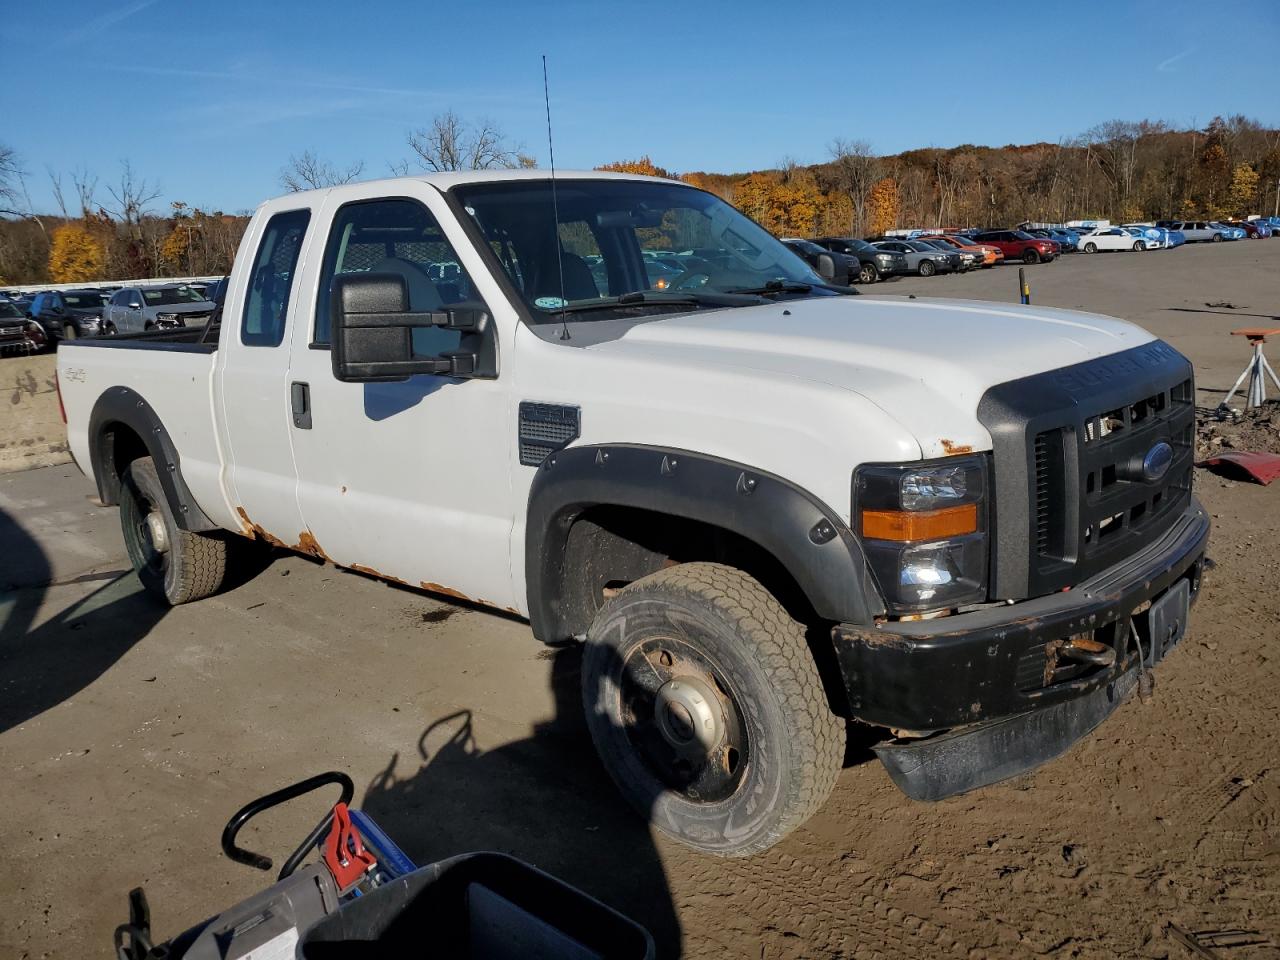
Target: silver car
column 1199, row 231
column 922, row 258
column 137, row 309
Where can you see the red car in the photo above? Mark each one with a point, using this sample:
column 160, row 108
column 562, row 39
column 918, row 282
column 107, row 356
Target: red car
column 1248, row 226
column 1018, row 245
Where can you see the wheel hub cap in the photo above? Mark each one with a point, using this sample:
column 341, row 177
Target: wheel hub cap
column 688, row 715
column 154, row 527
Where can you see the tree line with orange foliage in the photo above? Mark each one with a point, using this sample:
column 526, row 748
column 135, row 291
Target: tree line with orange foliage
column 1121, row 170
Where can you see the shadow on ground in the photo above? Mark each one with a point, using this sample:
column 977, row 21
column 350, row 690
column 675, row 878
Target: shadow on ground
column 545, row 799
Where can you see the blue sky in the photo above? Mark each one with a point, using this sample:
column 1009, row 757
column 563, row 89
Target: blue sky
column 210, row 100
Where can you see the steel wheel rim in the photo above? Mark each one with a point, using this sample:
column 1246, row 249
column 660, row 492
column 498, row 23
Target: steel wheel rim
column 683, row 721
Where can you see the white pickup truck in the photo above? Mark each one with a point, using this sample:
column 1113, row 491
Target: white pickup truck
column 618, row 407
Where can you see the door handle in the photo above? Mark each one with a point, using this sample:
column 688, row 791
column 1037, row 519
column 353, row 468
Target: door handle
column 300, row 401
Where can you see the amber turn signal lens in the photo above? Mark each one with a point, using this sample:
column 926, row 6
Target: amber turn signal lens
column 927, row 525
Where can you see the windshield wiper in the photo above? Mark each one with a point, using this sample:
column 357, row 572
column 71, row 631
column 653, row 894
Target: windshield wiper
column 774, row 287
column 636, row 298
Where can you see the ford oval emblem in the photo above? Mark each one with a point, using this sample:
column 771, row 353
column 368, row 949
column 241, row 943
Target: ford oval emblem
column 1157, row 462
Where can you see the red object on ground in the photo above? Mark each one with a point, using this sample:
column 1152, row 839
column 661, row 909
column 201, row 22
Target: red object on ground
column 344, row 854
column 1259, row 467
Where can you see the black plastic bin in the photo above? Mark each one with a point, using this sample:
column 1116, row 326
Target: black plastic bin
column 478, row 906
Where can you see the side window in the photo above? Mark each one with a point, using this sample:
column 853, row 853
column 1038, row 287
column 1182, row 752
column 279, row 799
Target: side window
column 395, row 236
column 267, row 305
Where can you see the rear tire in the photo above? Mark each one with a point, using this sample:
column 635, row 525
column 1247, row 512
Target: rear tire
column 707, row 710
column 1217, row 238
column 927, row 268
column 69, row 332
column 1030, row 256
column 174, row 564
column 868, row 273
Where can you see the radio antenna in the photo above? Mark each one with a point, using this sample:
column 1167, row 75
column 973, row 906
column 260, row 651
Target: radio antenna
column 555, row 206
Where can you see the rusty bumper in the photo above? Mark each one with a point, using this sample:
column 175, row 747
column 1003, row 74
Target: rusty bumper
column 961, row 673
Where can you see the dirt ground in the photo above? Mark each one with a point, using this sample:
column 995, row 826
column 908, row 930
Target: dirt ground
column 128, row 733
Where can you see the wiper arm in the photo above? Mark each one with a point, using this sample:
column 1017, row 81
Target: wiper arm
column 636, row 298
column 777, row 286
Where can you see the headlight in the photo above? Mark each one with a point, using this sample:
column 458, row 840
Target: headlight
column 924, row 529
column 884, row 256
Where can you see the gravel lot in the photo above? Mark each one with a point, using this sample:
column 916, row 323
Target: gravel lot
column 129, row 733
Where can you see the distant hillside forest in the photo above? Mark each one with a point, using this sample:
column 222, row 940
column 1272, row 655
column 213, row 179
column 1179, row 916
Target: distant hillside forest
column 1120, row 170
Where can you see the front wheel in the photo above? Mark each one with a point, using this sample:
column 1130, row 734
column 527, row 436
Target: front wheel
column 1090, row 248
column 109, row 329
column 1217, row 238
column 706, row 708
column 927, row 268
column 69, row 332
column 1030, row 256
column 868, row 273
column 1139, row 245
column 174, row 564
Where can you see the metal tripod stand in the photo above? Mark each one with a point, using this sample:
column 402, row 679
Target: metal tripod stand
column 1256, row 372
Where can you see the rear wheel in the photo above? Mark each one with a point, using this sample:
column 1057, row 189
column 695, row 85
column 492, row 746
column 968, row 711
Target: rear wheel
column 1030, row 256
column 1217, row 238
column 927, row 268
column 868, row 273
column 707, row 711
column 174, row 564
column 1090, row 247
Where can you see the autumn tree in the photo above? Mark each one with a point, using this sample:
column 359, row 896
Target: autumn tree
column 643, row 167
column 882, row 206
column 1243, row 192
column 76, row 255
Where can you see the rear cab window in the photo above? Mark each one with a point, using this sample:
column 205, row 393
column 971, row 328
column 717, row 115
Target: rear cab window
column 275, row 268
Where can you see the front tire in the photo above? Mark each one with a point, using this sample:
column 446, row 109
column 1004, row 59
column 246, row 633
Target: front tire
column 69, row 332
column 1217, row 238
column 707, row 711
column 927, row 268
column 1090, row 248
column 1139, row 246
column 868, row 273
column 174, row 564
column 109, row 329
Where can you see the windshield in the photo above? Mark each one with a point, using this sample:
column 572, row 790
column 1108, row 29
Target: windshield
column 82, row 300
column 606, row 227
column 807, row 246
column 1022, row 235
column 920, row 246
column 8, row 311
column 172, row 295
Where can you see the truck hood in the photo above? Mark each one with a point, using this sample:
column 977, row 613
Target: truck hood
column 926, row 363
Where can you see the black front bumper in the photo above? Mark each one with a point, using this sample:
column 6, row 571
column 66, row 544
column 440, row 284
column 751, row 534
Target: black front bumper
column 1001, row 662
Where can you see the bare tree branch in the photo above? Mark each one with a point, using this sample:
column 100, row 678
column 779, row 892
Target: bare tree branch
column 451, row 144
column 132, row 196
column 309, row 172
column 856, row 168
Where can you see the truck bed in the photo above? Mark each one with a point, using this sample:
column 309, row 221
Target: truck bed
column 201, row 339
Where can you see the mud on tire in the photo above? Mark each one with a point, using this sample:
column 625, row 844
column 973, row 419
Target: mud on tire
column 174, row 564
column 714, row 629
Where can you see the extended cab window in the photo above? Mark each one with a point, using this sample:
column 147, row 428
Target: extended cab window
column 267, row 305
column 396, row 236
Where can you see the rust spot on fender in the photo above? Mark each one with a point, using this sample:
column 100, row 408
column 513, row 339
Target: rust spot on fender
column 259, row 532
column 307, row 544
column 953, row 449
column 447, row 591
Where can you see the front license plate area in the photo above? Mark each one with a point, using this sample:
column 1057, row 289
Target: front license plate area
column 1167, row 618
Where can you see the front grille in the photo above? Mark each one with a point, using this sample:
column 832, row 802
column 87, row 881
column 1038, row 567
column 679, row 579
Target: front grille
column 1069, row 446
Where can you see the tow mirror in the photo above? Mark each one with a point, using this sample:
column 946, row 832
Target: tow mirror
column 372, row 327
column 827, row 267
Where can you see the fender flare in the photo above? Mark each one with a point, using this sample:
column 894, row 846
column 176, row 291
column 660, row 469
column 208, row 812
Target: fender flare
column 809, row 539
column 125, row 407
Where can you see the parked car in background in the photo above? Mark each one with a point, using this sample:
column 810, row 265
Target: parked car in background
column 922, row 258
column 969, row 259
column 18, row 332
column 1196, row 231
column 1229, row 232
column 875, row 264
column 67, row 314
column 1254, row 229
column 990, row 255
column 1111, row 239
column 138, row 309
column 1156, row 237
column 1020, row 245
column 847, row 268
